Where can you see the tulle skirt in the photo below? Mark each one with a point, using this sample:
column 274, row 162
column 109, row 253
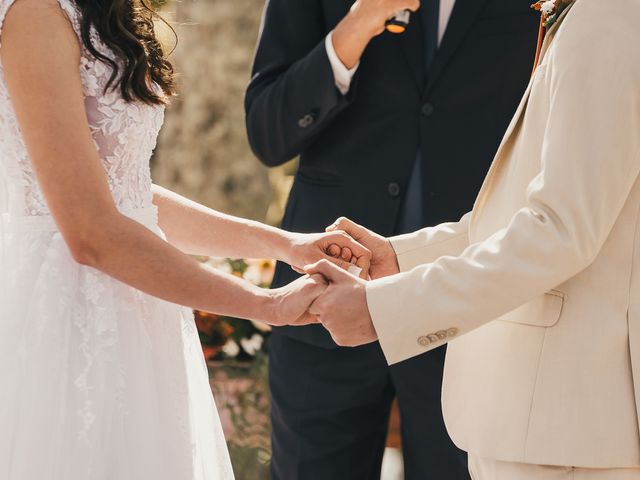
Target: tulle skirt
column 99, row 380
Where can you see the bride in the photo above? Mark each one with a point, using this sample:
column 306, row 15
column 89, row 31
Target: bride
column 102, row 372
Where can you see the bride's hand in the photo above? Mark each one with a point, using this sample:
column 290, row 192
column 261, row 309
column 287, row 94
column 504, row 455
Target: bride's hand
column 337, row 247
column 290, row 304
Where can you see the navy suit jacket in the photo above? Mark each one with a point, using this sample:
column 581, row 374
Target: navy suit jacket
column 357, row 151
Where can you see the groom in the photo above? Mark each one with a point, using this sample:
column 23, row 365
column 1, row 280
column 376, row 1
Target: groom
column 536, row 290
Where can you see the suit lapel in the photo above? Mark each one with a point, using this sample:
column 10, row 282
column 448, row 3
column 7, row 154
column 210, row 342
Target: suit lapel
column 512, row 129
column 462, row 17
column 501, row 152
column 412, row 44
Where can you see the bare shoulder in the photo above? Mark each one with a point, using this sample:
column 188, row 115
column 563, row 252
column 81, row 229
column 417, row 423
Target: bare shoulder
column 33, row 9
column 30, row 23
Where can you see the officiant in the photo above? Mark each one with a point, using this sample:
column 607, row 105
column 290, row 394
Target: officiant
column 395, row 131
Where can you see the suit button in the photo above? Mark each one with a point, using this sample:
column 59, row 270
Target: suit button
column 433, row 338
column 423, row 342
column 428, row 109
column 306, row 121
column 393, row 189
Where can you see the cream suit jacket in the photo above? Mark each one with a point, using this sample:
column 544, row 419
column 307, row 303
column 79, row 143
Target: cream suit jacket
column 538, row 289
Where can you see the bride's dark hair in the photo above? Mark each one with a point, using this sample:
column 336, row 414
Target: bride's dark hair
column 126, row 27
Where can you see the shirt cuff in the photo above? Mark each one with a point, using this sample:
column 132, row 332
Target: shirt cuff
column 341, row 74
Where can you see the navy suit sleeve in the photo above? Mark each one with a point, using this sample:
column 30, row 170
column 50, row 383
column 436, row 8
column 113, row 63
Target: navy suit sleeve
column 292, row 96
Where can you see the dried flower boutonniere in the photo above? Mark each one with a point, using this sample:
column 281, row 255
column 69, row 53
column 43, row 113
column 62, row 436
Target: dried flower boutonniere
column 551, row 10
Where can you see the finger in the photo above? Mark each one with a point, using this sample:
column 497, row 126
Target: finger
column 319, row 281
column 298, row 270
column 337, row 339
column 346, row 225
column 353, row 260
column 346, row 254
column 306, row 318
column 328, row 270
column 339, row 262
column 414, row 5
column 334, row 250
column 346, row 242
column 334, row 226
column 364, row 263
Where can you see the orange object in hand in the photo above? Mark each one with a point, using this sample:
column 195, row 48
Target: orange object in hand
column 399, row 22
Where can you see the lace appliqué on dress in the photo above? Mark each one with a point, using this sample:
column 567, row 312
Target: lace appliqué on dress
column 124, row 133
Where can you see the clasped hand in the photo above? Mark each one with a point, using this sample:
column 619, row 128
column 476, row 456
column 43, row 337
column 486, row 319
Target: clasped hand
column 333, row 296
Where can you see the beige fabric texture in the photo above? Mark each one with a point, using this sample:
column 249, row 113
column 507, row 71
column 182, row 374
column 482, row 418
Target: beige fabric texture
column 487, row 469
column 538, row 289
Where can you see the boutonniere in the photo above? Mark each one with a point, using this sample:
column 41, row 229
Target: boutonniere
column 551, row 10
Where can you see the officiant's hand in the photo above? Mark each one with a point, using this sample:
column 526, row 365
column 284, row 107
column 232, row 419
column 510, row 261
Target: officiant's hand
column 337, row 247
column 342, row 308
column 365, row 20
column 290, row 304
column 384, row 261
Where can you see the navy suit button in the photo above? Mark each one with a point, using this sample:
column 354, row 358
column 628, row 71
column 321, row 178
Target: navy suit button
column 428, row 109
column 306, row 121
column 393, row 189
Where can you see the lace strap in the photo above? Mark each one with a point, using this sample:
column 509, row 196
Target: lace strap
column 68, row 7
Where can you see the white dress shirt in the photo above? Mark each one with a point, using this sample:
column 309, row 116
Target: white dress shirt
column 343, row 75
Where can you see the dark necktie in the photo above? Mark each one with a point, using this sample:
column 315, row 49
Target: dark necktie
column 411, row 215
column 430, row 23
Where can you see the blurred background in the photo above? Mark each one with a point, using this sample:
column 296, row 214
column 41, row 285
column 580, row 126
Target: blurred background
column 203, row 153
column 203, row 150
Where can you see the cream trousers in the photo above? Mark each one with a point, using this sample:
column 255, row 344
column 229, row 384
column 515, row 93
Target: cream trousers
column 487, row 469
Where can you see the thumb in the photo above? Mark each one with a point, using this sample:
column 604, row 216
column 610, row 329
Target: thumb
column 348, row 226
column 328, row 270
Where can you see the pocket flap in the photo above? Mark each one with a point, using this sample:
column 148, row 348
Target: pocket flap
column 543, row 311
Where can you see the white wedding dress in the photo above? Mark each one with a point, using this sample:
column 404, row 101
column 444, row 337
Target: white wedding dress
column 97, row 380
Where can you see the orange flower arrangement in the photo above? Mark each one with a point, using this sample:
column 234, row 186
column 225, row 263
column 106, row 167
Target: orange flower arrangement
column 551, row 10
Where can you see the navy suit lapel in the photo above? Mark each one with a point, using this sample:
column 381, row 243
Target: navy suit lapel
column 463, row 15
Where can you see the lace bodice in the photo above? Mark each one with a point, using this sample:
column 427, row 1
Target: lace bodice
column 124, row 133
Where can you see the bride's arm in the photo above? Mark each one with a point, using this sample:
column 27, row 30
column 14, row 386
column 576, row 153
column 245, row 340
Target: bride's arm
column 198, row 230
column 40, row 56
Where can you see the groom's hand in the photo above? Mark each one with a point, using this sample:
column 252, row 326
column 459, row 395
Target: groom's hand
column 342, row 307
column 384, row 261
column 337, row 247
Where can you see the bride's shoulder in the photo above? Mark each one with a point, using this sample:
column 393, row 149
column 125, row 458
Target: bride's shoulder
column 55, row 21
column 32, row 26
column 31, row 12
column 35, row 7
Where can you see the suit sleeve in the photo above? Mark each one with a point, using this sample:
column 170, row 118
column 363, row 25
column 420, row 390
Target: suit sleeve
column 292, row 96
column 429, row 244
column 590, row 162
